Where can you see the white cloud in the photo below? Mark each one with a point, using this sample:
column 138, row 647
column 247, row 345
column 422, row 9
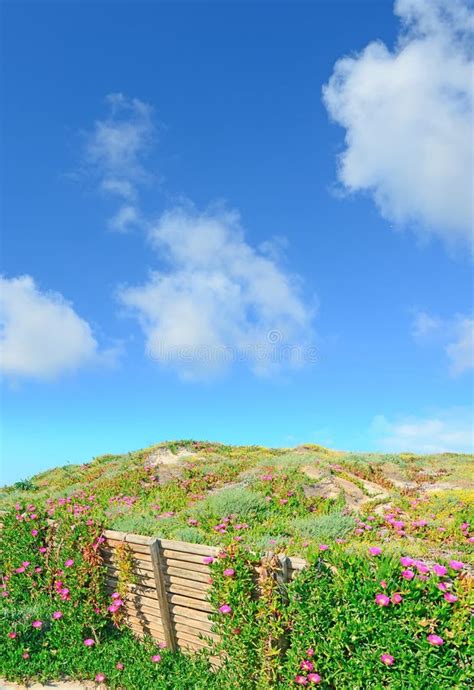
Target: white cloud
column 408, row 119
column 220, row 301
column 127, row 216
column 447, row 431
column 41, row 336
column 114, row 153
column 455, row 335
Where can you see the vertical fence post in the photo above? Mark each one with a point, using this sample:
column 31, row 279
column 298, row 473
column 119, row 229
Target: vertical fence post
column 158, row 571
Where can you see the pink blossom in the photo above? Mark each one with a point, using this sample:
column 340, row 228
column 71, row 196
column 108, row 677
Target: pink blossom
column 435, row 640
column 387, row 659
column 456, row 565
column 406, row 561
column 451, row 598
column 408, row 574
column 225, row 608
column 115, row 595
column 310, row 652
column 89, row 642
column 19, row 570
column 301, row 680
column 323, row 547
column 119, row 666
column 100, row 677
column 442, row 586
column 57, row 615
column 25, row 655
column 12, row 635
column 314, row 678
column 396, row 598
column 306, row 665
column 34, row 532
column 207, row 560
column 382, row 599
column 38, row 569
column 383, row 584
column 69, row 563
column 439, row 570
column 156, row 658
column 375, row 550
column 42, row 549
column 229, row 572
column 37, row 624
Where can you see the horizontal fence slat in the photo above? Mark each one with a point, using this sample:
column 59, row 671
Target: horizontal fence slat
column 187, row 591
column 182, row 556
column 188, row 574
column 185, row 547
column 189, row 630
column 193, row 584
column 204, row 626
column 194, row 614
column 127, row 537
column 189, row 603
column 196, row 567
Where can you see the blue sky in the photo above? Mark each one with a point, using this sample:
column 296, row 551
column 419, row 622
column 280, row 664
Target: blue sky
column 186, row 179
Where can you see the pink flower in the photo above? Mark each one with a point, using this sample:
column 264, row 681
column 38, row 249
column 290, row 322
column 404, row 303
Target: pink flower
column 25, row 655
column 57, row 615
column 69, row 563
column 323, row 547
column 314, row 678
column 228, row 572
column 451, row 598
column 37, row 624
column 408, row 574
column 225, row 608
column 100, row 677
column 301, row 680
column 207, row 560
column 396, row 598
column 439, row 570
column 442, row 586
column 387, row 659
column 382, row 599
column 156, row 658
column 435, row 640
column 25, row 564
column 42, row 549
column 34, row 532
column 12, row 635
column 306, row 665
column 38, row 569
column 89, row 642
column 383, row 584
column 310, row 652
column 375, row 550
column 456, row 565
column 115, row 595
column 406, row 561
column 19, row 570
column 119, row 666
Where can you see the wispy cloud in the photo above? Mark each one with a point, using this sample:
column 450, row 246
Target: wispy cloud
column 408, row 119
column 445, row 431
column 455, row 335
column 41, row 336
column 220, row 301
column 115, row 151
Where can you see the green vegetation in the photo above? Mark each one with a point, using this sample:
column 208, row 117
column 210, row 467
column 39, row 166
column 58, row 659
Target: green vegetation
column 384, row 602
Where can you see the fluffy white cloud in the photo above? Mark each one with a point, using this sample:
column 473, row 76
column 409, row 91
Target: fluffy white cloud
column 114, row 154
column 220, row 301
column 41, row 336
column 455, row 335
column 447, row 431
column 408, row 119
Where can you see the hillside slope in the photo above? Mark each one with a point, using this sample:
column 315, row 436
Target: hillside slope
column 293, row 499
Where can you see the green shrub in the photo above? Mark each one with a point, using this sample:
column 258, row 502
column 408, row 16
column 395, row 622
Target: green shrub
column 233, row 501
column 324, row 527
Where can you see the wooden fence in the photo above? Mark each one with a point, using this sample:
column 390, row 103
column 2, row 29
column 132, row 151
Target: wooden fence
column 171, row 581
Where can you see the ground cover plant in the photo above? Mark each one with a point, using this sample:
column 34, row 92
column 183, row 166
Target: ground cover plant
column 384, row 601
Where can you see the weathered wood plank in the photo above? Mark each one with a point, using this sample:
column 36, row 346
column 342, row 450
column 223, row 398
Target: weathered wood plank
column 192, row 614
column 187, row 574
column 162, row 595
column 185, row 547
column 189, row 603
